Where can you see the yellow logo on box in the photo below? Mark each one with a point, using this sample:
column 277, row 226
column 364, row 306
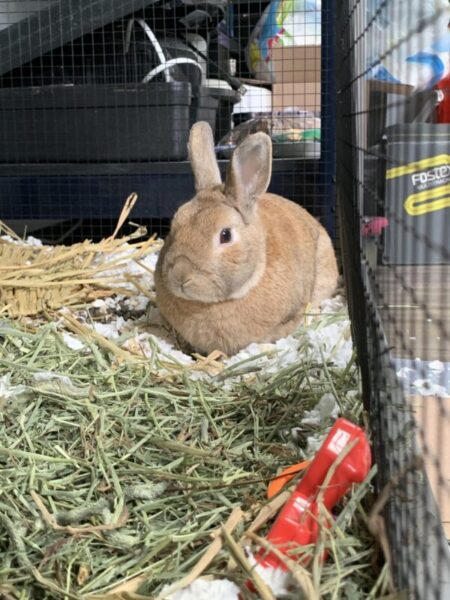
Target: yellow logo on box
column 428, row 201
column 418, row 165
column 426, row 172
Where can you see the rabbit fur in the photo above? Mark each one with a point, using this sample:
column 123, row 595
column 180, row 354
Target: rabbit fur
column 240, row 265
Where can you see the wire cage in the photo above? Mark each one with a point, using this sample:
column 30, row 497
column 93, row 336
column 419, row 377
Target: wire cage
column 97, row 98
column 392, row 174
column 96, row 101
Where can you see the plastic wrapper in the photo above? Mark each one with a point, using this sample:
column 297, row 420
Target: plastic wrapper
column 298, row 126
column 288, row 127
column 410, row 51
column 283, row 23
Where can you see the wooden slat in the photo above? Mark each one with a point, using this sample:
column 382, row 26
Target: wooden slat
column 414, row 307
column 433, row 418
column 430, row 283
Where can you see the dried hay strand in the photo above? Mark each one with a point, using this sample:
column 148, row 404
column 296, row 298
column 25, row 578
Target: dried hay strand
column 34, row 279
column 116, row 482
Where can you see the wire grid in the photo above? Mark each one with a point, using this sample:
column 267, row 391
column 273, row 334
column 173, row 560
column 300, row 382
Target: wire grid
column 81, row 131
column 392, row 164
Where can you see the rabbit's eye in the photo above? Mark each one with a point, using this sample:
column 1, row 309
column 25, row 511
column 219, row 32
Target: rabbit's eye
column 225, row 236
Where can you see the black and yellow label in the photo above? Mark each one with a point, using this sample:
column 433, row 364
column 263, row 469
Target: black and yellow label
column 441, row 160
column 428, row 201
column 429, row 180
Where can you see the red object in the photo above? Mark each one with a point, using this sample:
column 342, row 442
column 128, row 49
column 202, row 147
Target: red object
column 443, row 108
column 297, row 523
column 373, row 226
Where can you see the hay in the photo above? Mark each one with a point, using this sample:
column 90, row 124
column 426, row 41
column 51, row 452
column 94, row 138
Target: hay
column 127, row 466
column 110, row 473
column 34, row 279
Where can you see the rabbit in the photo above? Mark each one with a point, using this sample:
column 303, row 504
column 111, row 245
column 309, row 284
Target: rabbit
column 240, row 265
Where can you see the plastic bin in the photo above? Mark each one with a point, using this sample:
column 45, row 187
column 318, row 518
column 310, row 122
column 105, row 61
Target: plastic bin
column 104, row 123
column 226, row 97
column 417, row 200
column 204, row 107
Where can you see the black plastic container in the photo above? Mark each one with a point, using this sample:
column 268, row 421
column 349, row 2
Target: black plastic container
column 226, row 99
column 239, row 118
column 104, row 123
column 85, row 103
column 204, row 107
column 417, row 180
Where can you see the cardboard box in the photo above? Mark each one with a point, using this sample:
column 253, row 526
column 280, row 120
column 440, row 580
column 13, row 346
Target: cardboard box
column 301, row 95
column 296, row 64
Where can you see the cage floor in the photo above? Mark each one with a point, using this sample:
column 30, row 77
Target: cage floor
column 413, row 302
column 414, row 307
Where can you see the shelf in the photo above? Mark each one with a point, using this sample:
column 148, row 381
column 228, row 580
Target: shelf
column 98, row 191
column 56, row 24
column 389, row 87
column 144, row 168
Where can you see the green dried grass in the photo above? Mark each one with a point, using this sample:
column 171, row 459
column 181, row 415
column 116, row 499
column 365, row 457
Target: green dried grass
column 121, row 477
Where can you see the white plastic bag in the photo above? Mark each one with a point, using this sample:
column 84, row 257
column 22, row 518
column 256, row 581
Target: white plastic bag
column 283, row 23
column 408, row 41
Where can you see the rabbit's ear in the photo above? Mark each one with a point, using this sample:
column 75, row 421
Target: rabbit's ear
column 202, row 157
column 249, row 172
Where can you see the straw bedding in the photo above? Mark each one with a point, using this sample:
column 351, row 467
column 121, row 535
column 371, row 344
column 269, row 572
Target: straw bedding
column 129, row 467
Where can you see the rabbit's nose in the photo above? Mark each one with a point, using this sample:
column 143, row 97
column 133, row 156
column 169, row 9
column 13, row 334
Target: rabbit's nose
column 182, row 284
column 185, row 283
column 181, row 272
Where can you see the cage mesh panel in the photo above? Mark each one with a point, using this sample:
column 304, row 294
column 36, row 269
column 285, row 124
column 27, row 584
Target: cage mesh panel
column 80, row 131
column 398, row 278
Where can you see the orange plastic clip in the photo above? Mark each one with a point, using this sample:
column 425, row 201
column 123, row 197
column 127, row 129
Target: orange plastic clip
column 278, row 483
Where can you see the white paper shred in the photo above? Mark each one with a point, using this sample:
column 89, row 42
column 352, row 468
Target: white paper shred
column 71, row 341
column 29, row 241
column 282, row 353
column 49, row 375
column 278, row 580
column 437, row 366
column 314, row 443
column 332, row 305
column 142, row 269
column 424, row 387
column 147, row 343
column 113, row 329
column 327, row 408
column 332, row 343
column 404, row 372
column 202, row 589
column 7, row 390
